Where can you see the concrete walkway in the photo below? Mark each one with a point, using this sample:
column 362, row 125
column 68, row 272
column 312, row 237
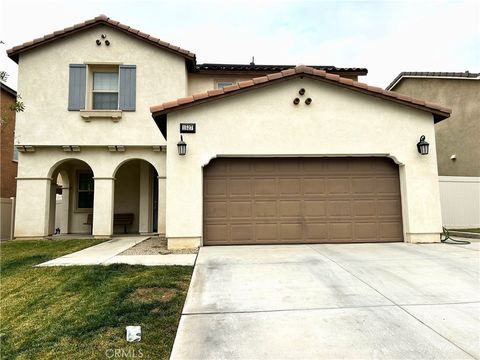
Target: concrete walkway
column 107, row 253
column 351, row 301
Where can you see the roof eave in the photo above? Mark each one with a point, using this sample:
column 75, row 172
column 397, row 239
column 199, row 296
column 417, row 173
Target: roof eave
column 438, row 114
column 14, row 54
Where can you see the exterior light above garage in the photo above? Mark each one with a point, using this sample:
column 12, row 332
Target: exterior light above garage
column 182, row 146
column 422, row 146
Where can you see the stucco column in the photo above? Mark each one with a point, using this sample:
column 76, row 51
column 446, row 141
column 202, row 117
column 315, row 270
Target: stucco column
column 145, row 200
column 53, row 206
column 162, row 205
column 32, row 211
column 64, row 211
column 103, row 206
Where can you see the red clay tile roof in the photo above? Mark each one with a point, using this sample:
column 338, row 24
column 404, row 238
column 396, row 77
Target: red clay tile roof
column 14, row 52
column 439, row 112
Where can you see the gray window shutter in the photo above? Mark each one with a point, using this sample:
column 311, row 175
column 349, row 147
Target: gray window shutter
column 127, row 93
column 77, row 87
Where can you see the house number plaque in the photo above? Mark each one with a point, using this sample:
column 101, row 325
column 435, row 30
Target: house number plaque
column 187, row 128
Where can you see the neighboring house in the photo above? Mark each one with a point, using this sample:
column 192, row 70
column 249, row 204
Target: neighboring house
column 298, row 154
column 8, row 158
column 458, row 146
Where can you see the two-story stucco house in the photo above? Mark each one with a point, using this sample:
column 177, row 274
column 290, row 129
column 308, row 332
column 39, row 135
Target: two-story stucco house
column 146, row 140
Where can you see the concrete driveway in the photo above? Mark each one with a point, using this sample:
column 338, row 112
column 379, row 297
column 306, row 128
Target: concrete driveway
column 353, row 301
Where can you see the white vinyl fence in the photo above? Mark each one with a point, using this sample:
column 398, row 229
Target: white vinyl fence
column 460, row 199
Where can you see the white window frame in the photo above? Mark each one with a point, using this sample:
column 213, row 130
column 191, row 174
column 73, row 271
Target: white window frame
column 101, row 68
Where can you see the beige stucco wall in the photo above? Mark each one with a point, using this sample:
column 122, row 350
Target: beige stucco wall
column 43, row 84
column 35, row 187
column 198, row 83
column 460, row 133
column 339, row 122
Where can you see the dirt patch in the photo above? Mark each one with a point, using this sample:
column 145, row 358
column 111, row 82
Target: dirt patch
column 154, row 294
column 155, row 246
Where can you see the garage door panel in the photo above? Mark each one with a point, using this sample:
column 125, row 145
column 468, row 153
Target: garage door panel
column 241, row 232
column 338, row 186
column 239, row 167
column 266, row 232
column 216, row 232
column 314, row 186
column 301, row 200
column 216, row 209
column 390, row 230
column 290, row 186
column 337, row 167
column 364, row 208
column 363, row 185
column 240, row 187
column 389, row 207
column 240, row 209
column 340, row 231
column 264, row 166
column 265, row 187
column 291, row 232
column 366, row 231
column 290, row 167
column 216, row 187
column 315, row 208
column 363, row 165
column 265, row 209
column 387, row 185
column 316, row 232
column 339, row 208
column 290, row 208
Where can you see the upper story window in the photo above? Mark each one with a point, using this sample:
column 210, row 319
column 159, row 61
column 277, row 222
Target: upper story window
column 222, row 84
column 105, row 90
column 100, row 87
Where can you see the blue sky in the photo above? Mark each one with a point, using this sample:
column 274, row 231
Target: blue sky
column 385, row 36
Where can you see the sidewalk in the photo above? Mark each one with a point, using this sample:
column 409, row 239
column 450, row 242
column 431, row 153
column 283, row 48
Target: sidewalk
column 107, row 253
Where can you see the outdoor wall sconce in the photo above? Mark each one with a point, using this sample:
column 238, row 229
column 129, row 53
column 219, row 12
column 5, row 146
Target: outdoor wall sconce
column 301, row 91
column 422, row 146
column 296, row 101
column 308, row 101
column 182, row 146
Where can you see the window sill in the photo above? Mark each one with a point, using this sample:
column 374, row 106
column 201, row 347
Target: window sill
column 88, row 115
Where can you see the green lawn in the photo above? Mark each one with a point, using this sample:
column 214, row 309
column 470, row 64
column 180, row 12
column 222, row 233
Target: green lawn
column 477, row 230
column 80, row 312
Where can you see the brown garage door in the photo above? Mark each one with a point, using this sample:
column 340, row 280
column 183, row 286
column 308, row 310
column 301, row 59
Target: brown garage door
column 301, row 200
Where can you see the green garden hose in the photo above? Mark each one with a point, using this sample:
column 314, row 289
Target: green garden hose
column 449, row 240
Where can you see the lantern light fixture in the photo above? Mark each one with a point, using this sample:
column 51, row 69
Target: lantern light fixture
column 422, row 146
column 182, row 146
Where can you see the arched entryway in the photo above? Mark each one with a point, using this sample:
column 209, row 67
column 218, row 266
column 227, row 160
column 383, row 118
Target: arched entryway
column 71, row 198
column 135, row 198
